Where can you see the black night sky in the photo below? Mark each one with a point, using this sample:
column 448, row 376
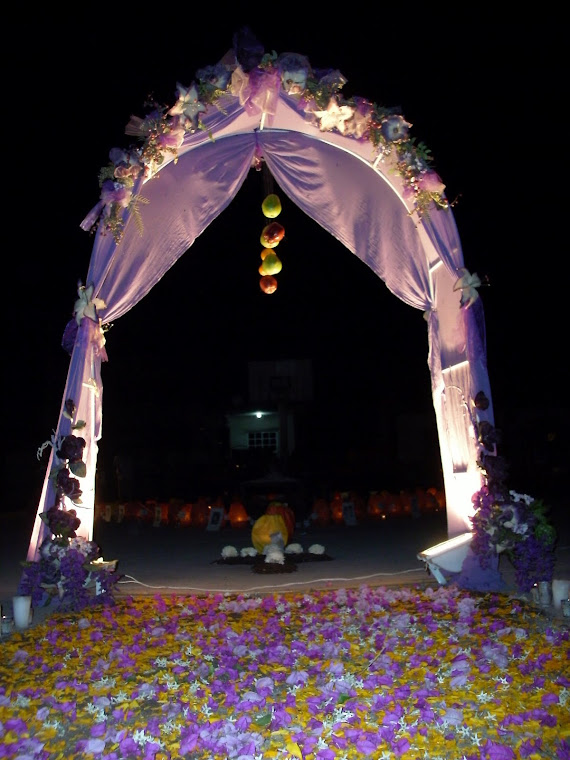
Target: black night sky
column 485, row 96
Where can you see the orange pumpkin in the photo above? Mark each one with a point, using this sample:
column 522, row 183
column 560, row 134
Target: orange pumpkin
column 264, row 527
column 277, row 508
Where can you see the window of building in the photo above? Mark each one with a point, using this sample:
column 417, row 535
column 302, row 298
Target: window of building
column 264, row 439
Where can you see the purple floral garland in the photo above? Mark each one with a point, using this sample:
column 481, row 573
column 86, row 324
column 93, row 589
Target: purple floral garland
column 65, row 570
column 505, row 521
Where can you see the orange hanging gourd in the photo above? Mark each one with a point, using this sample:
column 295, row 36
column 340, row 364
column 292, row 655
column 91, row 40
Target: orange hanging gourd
column 268, row 284
column 272, row 234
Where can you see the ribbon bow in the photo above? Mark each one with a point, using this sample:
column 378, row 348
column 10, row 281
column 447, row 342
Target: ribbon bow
column 86, row 305
column 467, row 284
column 258, row 91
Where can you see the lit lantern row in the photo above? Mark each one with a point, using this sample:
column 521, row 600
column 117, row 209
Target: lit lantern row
column 271, row 236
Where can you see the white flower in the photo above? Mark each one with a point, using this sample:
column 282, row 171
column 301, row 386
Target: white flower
column 229, row 551
column 517, row 497
column 86, row 305
column 334, row 116
column 520, row 529
column 275, row 555
column 294, row 549
column 187, row 107
column 316, row 549
column 248, row 551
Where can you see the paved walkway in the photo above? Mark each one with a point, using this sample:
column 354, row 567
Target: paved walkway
column 184, row 560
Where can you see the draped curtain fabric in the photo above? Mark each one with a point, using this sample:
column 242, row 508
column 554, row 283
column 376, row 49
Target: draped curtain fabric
column 339, row 182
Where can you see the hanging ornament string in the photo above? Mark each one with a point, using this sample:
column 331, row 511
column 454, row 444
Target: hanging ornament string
column 271, row 236
column 268, row 181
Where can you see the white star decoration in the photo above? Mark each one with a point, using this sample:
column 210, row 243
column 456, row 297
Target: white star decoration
column 334, row 117
column 187, row 106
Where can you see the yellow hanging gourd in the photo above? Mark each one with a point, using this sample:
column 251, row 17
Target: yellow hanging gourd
column 271, row 206
column 271, row 264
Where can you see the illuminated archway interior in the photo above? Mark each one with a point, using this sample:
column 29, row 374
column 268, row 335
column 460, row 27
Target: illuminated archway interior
column 349, row 165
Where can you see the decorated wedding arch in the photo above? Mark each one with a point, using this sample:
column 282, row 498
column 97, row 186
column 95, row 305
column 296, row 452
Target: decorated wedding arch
column 349, row 164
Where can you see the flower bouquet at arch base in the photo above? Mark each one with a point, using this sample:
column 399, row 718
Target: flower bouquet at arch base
column 507, row 522
column 70, row 572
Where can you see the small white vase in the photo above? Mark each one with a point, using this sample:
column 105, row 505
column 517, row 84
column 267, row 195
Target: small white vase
column 22, row 606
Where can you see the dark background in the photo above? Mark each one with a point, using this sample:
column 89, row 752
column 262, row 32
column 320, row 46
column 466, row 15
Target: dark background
column 485, row 95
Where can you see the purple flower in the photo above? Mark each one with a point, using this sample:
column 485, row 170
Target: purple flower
column 395, row 128
column 62, row 522
column 115, row 192
column 494, row 751
column 216, row 77
column 68, row 486
column 69, row 336
column 71, row 448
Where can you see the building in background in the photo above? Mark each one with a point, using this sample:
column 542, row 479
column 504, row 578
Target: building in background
column 262, row 434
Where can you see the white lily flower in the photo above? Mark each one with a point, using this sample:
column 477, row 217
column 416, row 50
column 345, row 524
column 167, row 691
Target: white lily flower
column 86, row 305
column 467, row 283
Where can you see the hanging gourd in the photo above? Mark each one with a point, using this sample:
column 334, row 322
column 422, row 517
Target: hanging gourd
column 271, row 264
column 268, row 284
column 272, row 234
column 277, row 508
column 264, row 527
column 271, row 206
